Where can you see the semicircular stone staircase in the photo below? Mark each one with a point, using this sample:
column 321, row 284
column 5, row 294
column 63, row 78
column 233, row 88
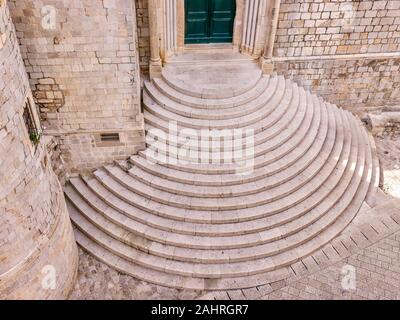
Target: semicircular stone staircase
column 169, row 217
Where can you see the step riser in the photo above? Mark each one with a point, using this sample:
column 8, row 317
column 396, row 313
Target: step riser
column 294, row 187
column 125, row 267
column 200, row 182
column 223, row 284
column 216, row 206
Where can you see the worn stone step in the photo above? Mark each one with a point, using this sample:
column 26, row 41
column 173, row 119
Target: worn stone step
column 255, row 104
column 262, row 251
column 260, row 189
column 194, row 283
column 220, row 226
column 281, row 97
column 214, row 270
column 251, row 145
column 212, row 104
column 200, row 179
column 265, row 141
column 298, row 116
column 179, row 182
column 248, row 80
column 136, row 271
column 245, row 214
column 291, row 151
column 114, row 179
column 152, row 227
column 283, row 216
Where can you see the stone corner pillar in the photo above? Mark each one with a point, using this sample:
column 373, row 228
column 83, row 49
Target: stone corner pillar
column 266, row 61
column 155, row 65
column 266, row 65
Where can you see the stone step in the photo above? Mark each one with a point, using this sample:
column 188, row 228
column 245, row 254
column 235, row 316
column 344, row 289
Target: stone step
column 279, row 122
column 245, row 214
column 221, row 226
column 176, row 174
column 261, row 188
column 179, row 182
column 237, row 150
column 211, row 55
column 193, row 283
column 298, row 117
column 281, row 157
column 134, row 270
column 279, row 98
column 175, row 281
column 233, row 269
column 201, row 103
column 156, row 228
column 281, row 232
column 198, row 203
column 187, row 86
column 280, row 238
column 254, row 105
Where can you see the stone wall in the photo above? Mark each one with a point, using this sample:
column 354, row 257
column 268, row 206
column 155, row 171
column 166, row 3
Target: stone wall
column 56, row 159
column 359, row 85
column 328, row 27
column 36, row 241
column 82, row 64
column 142, row 20
column 347, row 51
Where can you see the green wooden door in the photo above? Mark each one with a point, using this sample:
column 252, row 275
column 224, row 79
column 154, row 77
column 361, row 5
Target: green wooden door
column 209, row 20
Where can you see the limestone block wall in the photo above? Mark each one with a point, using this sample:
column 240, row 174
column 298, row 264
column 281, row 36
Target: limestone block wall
column 38, row 254
column 347, row 51
column 82, row 62
column 142, row 20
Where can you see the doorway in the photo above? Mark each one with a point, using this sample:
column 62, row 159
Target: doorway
column 209, row 21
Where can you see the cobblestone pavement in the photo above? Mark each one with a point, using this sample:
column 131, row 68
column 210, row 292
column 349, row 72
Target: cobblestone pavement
column 373, row 273
column 98, row 281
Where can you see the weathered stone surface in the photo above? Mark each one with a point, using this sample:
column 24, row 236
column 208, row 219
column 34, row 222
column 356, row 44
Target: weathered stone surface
column 384, row 122
column 330, row 27
column 36, row 239
column 82, row 63
column 142, row 20
column 346, row 51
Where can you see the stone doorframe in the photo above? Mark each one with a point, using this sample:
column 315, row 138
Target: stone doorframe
column 253, row 32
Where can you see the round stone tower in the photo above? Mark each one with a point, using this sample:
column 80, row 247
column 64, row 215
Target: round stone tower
column 38, row 253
